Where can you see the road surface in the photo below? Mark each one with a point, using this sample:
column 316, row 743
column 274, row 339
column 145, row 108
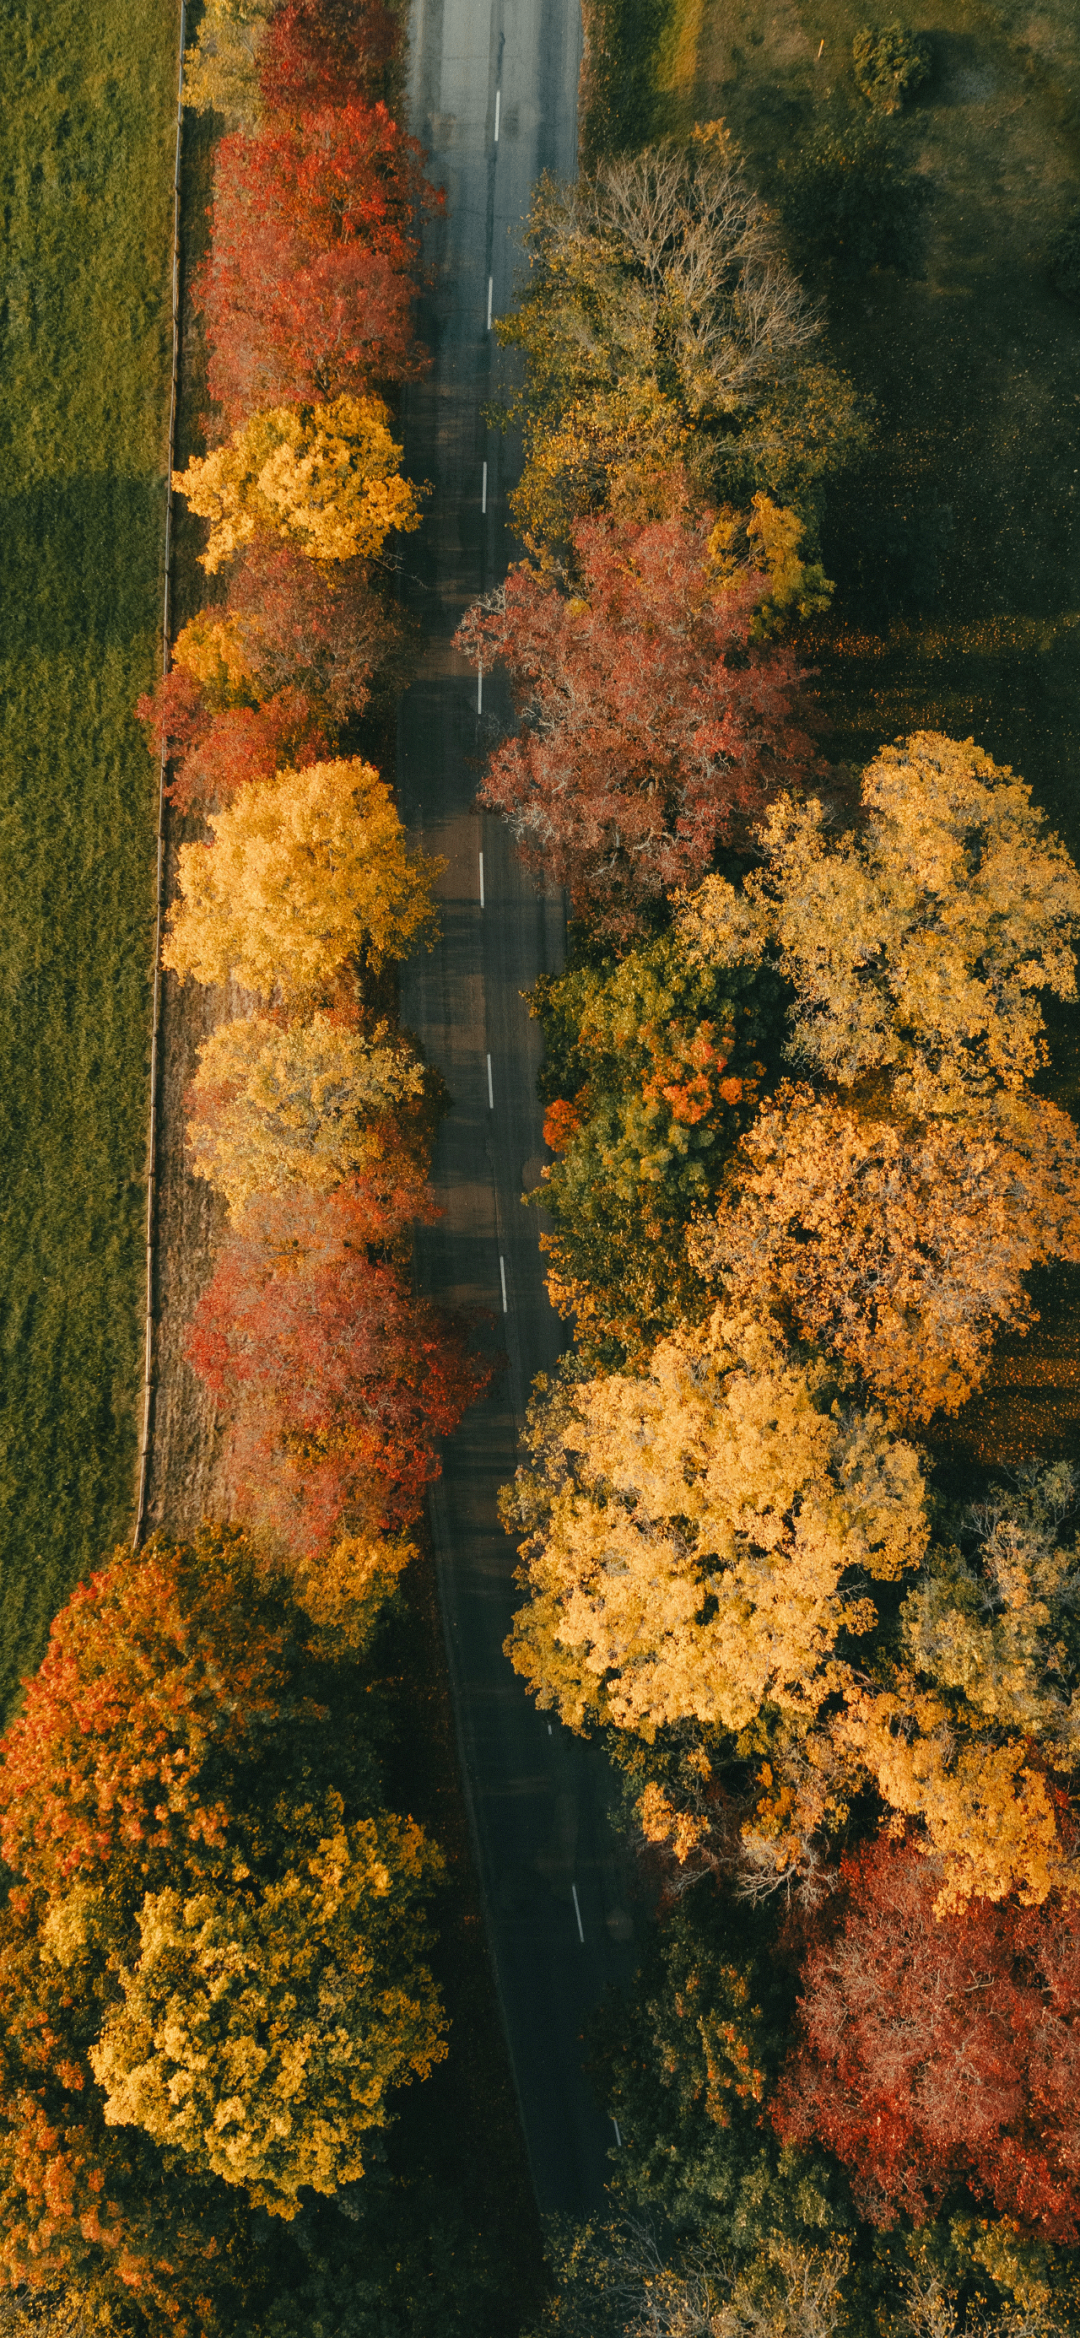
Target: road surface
column 493, row 99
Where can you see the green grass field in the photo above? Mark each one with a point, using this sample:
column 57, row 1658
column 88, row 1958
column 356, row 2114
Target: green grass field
column 88, row 106
column 956, row 550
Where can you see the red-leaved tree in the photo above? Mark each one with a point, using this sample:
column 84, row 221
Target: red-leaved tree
column 324, row 631
column 939, row 2052
column 309, row 645
column 214, row 752
column 308, row 286
column 337, row 1377
column 652, row 730
column 323, row 52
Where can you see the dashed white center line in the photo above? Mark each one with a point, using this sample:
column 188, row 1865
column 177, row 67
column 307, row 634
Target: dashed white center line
column 491, row 1091
column 490, row 280
column 481, row 880
column 480, row 690
column 483, row 488
column 618, row 2131
column 498, row 103
column 577, row 1912
column 502, row 1279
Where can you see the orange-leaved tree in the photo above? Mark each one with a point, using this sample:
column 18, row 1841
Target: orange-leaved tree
column 899, row 1244
column 896, row 1209
column 338, row 1379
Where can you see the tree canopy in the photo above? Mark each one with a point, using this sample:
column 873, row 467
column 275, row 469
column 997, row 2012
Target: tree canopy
column 299, row 1103
column 937, row 2048
column 322, row 477
column 664, row 336
column 917, row 943
column 696, row 1533
column 304, row 872
column 652, row 728
column 213, row 1945
column 651, row 1069
column 338, row 1379
column 308, row 287
column 899, row 1246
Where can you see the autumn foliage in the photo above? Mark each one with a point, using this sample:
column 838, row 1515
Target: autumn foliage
column 141, row 1841
column 268, row 678
column 938, row 2051
column 321, row 477
column 304, row 873
column 652, row 728
column 695, row 1531
column 278, row 1104
column 308, row 288
column 901, row 1247
column 917, row 945
column 340, row 1381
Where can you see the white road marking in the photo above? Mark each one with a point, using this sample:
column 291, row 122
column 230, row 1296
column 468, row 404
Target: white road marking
column 479, row 689
column 577, row 1912
column 502, row 1279
column 483, row 489
column 498, row 103
column 491, row 1091
column 489, row 304
column 618, row 2136
column 481, row 880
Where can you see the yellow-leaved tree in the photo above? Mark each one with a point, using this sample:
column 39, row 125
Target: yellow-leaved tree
column 917, row 944
column 901, row 1245
column 980, row 1732
column 221, row 69
column 259, row 2035
column 347, row 1590
column 695, row 1533
column 323, row 477
column 771, row 540
column 301, row 1103
column 305, row 870
column 968, row 1731
column 210, row 647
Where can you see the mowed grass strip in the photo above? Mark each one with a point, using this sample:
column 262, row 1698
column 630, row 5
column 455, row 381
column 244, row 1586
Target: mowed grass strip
column 88, row 102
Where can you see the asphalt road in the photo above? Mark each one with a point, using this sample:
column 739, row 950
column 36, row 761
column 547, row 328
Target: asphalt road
column 554, row 1879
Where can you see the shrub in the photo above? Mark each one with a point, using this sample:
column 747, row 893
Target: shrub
column 889, row 65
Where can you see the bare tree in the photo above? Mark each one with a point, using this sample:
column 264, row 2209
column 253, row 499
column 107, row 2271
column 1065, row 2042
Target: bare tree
column 705, row 247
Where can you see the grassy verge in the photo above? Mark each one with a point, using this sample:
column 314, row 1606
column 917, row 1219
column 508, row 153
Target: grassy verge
column 88, row 114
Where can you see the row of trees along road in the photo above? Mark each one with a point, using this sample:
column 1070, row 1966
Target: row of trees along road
column 803, row 1163
column 214, row 1947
